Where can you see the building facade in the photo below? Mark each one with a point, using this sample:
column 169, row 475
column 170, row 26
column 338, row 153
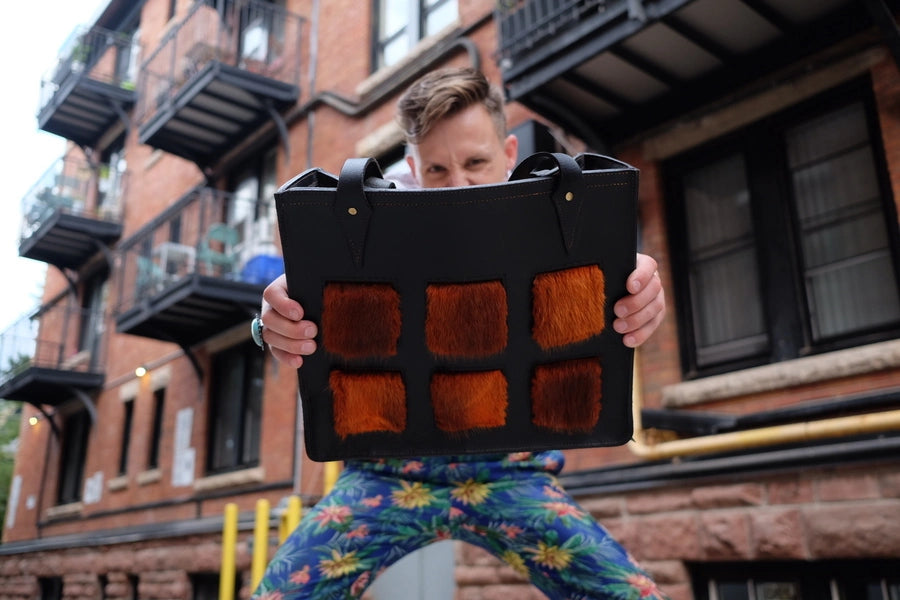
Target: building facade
column 765, row 458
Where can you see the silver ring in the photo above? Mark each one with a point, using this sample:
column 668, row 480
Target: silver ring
column 256, row 332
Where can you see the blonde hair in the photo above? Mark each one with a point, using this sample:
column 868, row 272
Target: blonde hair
column 443, row 93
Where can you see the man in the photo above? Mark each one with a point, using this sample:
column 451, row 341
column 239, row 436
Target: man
column 511, row 505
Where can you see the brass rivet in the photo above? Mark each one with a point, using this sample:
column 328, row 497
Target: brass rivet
column 569, row 196
column 352, row 210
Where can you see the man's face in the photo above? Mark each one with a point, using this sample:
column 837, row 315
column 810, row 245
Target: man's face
column 463, row 149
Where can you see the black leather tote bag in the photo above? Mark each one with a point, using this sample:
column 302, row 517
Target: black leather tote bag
column 463, row 320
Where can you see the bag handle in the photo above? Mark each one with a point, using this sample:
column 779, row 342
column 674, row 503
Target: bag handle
column 568, row 189
column 351, row 206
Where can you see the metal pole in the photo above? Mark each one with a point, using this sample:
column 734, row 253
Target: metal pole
column 332, row 471
column 290, row 519
column 229, row 544
column 260, row 542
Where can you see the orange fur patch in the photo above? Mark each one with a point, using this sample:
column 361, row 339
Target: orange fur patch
column 566, row 396
column 466, row 319
column 367, row 402
column 360, row 320
column 463, row 401
column 568, row 306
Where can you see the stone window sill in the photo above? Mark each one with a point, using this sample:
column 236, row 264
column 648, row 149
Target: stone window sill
column 851, row 362
column 117, row 483
column 228, row 480
column 64, row 510
column 149, row 476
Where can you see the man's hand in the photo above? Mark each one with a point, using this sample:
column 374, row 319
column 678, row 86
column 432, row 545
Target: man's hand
column 641, row 312
column 287, row 334
column 290, row 337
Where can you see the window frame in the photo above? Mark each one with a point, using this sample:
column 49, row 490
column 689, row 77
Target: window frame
column 254, row 368
column 76, row 432
column 779, row 256
column 414, row 30
column 205, row 585
column 50, row 588
column 156, row 427
column 826, row 579
column 127, row 427
column 94, row 293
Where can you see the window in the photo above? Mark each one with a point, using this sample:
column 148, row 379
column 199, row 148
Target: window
column 75, row 432
column 127, row 58
column 159, row 404
column 51, row 588
column 785, row 238
column 825, row 580
column 237, row 384
column 399, row 24
column 90, row 326
column 133, row 584
column 111, row 179
column 206, row 586
column 128, row 407
column 251, row 214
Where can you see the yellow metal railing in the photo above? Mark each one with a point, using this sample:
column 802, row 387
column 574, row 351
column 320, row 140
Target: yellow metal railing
column 289, row 518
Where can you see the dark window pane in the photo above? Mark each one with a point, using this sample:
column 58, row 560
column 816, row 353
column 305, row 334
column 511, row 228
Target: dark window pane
column 778, row 590
column 236, row 407
column 128, row 406
column 733, row 590
column 159, row 404
column 72, row 456
column 252, row 415
column 724, row 280
column 847, row 266
column 51, row 588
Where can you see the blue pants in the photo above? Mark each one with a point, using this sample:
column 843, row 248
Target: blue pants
column 512, row 506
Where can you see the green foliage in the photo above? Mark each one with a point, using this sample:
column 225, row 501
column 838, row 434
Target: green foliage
column 10, row 415
column 16, row 365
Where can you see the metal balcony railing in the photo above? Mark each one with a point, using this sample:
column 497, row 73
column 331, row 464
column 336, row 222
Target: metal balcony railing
column 524, row 24
column 59, row 336
column 207, row 233
column 97, row 54
column 72, row 186
column 251, row 35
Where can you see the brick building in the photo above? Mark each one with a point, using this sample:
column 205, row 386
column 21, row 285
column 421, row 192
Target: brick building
column 765, row 458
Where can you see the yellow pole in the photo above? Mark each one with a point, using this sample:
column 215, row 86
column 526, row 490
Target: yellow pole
column 229, row 543
column 290, row 519
column 888, row 420
column 332, row 471
column 260, row 542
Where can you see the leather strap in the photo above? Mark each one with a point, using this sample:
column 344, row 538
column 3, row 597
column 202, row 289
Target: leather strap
column 351, row 207
column 568, row 190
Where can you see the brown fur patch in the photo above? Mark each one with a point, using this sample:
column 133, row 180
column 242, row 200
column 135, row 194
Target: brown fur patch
column 568, row 306
column 566, row 396
column 466, row 319
column 464, row 401
column 367, row 402
column 360, row 320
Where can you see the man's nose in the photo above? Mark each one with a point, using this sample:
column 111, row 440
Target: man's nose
column 458, row 178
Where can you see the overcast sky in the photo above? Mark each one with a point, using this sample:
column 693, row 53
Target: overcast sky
column 30, row 38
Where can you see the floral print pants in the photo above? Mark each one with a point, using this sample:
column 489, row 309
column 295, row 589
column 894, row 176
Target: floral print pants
column 512, row 506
